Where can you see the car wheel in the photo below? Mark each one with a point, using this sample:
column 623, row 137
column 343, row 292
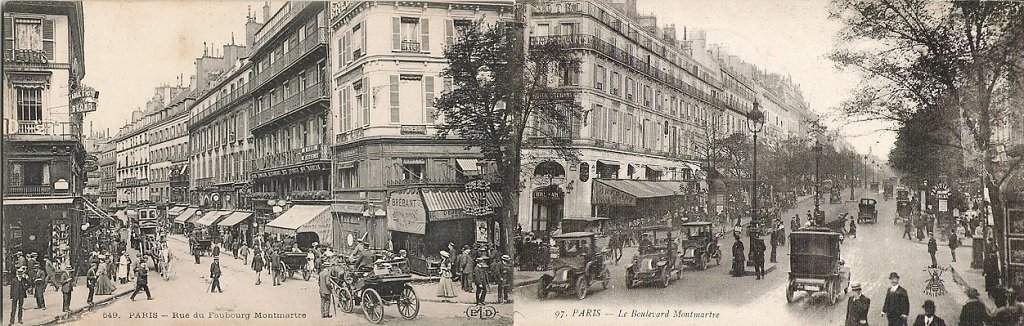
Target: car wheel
column 604, row 280
column 581, row 288
column 664, row 280
column 629, row 280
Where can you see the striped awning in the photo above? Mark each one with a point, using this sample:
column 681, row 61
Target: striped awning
column 234, row 218
column 184, row 215
column 443, row 200
column 211, row 218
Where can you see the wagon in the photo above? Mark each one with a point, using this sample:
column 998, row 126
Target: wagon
column 372, row 290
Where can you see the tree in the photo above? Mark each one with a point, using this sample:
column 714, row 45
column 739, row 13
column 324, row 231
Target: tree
column 958, row 61
column 500, row 94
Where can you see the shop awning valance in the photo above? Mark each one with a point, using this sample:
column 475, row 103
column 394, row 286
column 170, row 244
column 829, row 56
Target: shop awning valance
column 654, row 168
column 39, row 201
column 195, row 216
column 584, row 218
column 234, row 218
column 210, row 218
column 303, row 218
column 627, row 192
column 449, row 204
column 184, row 215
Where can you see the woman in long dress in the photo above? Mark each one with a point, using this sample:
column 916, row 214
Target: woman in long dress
column 446, row 288
column 257, row 263
column 104, row 286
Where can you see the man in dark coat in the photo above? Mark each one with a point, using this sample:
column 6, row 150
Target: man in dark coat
column 195, row 252
column 90, row 281
column 932, row 249
column 954, row 242
column 738, row 259
column 857, row 307
column 276, row 267
column 505, row 278
column 928, row 318
column 324, row 280
column 757, row 249
column 775, row 244
column 467, row 269
column 142, row 279
column 897, row 304
column 907, row 226
column 19, row 291
column 38, row 276
column 974, row 312
column 67, row 285
column 215, row 275
column 481, row 279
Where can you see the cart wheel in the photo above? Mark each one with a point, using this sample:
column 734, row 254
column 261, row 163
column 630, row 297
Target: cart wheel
column 702, row 262
column 373, row 307
column 604, row 280
column 305, row 274
column 789, row 294
column 408, row 303
column 833, row 293
column 629, row 280
column 345, row 300
column 581, row 288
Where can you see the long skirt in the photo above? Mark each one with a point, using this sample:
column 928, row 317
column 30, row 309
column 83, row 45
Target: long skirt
column 446, row 288
column 738, row 266
column 104, row 286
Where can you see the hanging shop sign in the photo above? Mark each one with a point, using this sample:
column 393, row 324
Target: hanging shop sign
column 406, row 213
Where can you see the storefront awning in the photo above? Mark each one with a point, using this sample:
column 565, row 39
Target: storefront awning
column 175, row 211
column 39, row 201
column 448, row 204
column 234, row 218
column 627, row 192
column 654, row 168
column 195, row 216
column 468, row 164
column 303, row 218
column 607, row 162
column 210, row 218
column 584, row 218
column 184, row 215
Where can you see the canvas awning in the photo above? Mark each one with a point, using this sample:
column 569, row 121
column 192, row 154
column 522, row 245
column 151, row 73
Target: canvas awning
column 210, row 218
column 584, row 218
column 195, row 216
column 448, row 204
column 39, row 201
column 304, row 218
column 234, row 218
column 467, row 164
column 627, row 192
column 176, row 210
column 184, row 215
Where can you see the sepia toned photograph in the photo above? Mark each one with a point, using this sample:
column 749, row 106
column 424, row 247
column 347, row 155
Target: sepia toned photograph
column 513, row 162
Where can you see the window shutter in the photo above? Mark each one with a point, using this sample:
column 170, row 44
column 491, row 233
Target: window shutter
column 346, row 108
column 394, row 99
column 428, row 85
column 449, row 32
column 558, row 29
column 396, row 33
column 366, row 103
column 343, row 51
column 8, row 34
column 48, row 38
column 425, row 31
column 362, row 30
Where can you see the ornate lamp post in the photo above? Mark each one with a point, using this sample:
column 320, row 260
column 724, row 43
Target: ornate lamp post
column 755, row 122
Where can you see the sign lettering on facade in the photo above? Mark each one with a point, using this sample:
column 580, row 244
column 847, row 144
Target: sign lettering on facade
column 413, row 130
column 605, row 195
column 406, row 213
column 447, row 215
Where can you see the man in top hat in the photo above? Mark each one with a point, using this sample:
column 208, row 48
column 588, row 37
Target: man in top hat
column 215, row 275
column 324, row 280
column 857, row 307
column 928, row 318
column 505, row 278
column 90, row 279
column 932, row 249
column 67, row 282
column 481, row 279
column 897, row 304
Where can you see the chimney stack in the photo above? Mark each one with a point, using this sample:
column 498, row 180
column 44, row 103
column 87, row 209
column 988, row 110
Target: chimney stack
column 266, row 12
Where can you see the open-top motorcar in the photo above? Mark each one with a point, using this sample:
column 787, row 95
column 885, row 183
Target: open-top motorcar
column 700, row 244
column 866, row 210
column 657, row 260
column 577, row 263
column 373, row 288
column 816, row 264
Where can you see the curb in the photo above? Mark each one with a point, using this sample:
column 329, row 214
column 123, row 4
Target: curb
column 526, row 282
column 65, row 317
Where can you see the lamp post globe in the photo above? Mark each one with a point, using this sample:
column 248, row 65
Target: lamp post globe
column 755, row 122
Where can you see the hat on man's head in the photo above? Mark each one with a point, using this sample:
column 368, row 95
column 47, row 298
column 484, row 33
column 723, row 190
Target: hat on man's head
column 506, row 257
column 929, row 305
column 972, row 293
column 445, row 254
column 893, row 275
column 855, row 286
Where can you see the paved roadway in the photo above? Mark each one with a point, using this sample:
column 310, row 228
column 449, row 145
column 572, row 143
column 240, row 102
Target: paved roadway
column 877, row 251
column 186, row 294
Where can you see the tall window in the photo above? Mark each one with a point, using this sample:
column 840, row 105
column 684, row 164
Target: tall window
column 30, row 103
column 410, row 33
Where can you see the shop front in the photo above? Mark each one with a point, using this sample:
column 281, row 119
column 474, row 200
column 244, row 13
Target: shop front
column 238, row 224
column 49, row 226
column 305, row 223
column 207, row 222
column 636, row 202
column 179, row 224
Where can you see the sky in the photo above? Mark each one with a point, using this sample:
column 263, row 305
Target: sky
column 789, row 37
column 133, row 46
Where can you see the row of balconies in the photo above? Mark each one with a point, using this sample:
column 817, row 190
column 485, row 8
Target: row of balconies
column 294, row 156
column 312, row 93
column 33, row 190
column 132, row 182
column 291, row 57
column 271, row 28
column 600, row 143
column 594, row 43
column 223, row 102
column 52, row 128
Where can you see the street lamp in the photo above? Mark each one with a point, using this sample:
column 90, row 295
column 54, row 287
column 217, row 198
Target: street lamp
column 755, row 122
column 817, row 177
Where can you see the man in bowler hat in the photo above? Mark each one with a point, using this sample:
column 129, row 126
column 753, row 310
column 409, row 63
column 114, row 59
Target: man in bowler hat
column 897, row 304
column 928, row 318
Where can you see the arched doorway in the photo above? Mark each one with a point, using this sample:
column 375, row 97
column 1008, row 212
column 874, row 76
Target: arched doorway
column 548, row 198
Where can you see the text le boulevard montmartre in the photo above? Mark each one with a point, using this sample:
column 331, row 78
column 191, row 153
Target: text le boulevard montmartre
column 635, row 313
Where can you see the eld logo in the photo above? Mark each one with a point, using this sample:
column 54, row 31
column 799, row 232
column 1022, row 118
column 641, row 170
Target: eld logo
column 481, row 312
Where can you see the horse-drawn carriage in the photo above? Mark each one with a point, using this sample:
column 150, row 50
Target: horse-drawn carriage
column 375, row 288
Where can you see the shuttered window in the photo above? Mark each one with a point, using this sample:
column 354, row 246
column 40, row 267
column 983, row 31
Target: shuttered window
column 394, row 99
column 365, row 100
column 428, row 103
column 346, row 119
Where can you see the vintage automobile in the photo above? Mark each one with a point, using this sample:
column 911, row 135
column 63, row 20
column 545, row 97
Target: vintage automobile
column 816, row 264
column 576, row 265
column 835, row 195
column 866, row 210
column 372, row 289
column 700, row 244
column 887, row 188
column 657, row 260
column 904, row 206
